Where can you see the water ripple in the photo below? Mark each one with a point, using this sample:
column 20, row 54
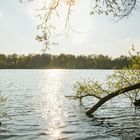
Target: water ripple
column 38, row 110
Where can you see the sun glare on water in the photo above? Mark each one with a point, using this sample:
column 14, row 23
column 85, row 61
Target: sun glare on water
column 51, row 103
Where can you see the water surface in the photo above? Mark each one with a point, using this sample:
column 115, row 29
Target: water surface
column 38, row 110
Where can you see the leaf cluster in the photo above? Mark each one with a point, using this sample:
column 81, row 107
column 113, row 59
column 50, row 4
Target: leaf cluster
column 119, row 79
column 51, row 9
column 115, row 8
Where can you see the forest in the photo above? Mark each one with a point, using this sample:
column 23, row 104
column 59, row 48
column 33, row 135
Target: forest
column 64, row 61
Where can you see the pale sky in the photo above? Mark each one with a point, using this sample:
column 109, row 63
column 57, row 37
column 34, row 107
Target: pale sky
column 95, row 34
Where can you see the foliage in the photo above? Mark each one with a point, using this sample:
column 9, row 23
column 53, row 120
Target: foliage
column 88, row 87
column 50, row 10
column 116, row 8
column 117, row 80
column 64, row 61
column 135, row 55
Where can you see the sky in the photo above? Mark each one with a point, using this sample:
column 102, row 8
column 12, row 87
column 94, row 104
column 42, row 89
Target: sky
column 91, row 35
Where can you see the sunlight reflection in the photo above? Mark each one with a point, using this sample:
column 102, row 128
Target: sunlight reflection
column 52, row 105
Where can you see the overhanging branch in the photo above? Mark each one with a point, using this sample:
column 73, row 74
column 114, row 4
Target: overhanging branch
column 112, row 95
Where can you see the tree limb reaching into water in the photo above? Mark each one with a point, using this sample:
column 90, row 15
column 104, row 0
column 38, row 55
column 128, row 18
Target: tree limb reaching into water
column 110, row 96
column 126, row 81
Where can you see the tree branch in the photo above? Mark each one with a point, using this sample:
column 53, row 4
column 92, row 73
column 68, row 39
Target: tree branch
column 110, row 96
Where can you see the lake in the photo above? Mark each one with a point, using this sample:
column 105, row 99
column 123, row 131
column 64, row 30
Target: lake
column 37, row 108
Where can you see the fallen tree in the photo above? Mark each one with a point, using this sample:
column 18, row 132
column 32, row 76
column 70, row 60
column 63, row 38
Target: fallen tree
column 124, row 81
column 112, row 95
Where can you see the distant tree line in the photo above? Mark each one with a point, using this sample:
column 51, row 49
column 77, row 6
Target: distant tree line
column 63, row 61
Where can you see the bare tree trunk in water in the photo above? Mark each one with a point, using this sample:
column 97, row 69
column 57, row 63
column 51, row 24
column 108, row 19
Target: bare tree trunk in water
column 110, row 96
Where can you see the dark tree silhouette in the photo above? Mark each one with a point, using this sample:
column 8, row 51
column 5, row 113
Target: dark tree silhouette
column 65, row 61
